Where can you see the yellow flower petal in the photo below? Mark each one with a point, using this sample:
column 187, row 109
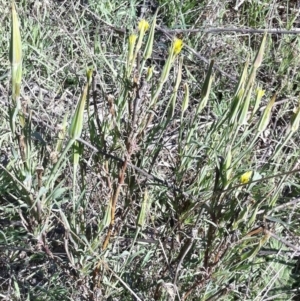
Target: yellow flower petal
column 177, row 46
column 149, row 73
column 245, row 178
column 143, row 25
column 132, row 39
column 260, row 93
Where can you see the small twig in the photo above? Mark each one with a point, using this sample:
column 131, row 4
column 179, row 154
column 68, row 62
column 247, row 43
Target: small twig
column 124, row 283
column 113, row 202
column 266, row 252
column 230, row 29
column 136, row 103
column 94, row 93
column 282, row 240
column 214, row 30
column 16, row 180
column 8, row 247
column 290, row 203
column 184, row 251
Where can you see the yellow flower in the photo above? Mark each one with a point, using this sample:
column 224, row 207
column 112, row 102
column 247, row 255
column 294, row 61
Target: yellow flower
column 131, row 42
column 132, row 39
column 245, row 177
column 149, row 73
column 143, row 25
column 176, row 46
column 260, row 93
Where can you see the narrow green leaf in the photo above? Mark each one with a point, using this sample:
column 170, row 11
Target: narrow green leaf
column 250, row 254
column 61, row 134
column 252, row 219
column 242, row 216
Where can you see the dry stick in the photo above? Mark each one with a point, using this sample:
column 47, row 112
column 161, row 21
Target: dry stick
column 230, row 29
column 204, row 30
column 267, row 232
column 290, row 203
column 96, row 113
column 114, row 202
column 122, row 171
column 124, row 283
column 94, row 93
column 184, row 251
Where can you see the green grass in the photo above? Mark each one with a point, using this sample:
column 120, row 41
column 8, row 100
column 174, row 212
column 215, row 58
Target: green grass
column 115, row 186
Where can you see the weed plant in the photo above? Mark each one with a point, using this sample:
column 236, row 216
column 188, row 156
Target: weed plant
column 148, row 176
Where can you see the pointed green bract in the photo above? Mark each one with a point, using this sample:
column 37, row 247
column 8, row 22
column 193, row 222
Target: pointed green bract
column 76, row 130
column 259, row 94
column 77, row 121
column 143, row 26
column 226, row 169
column 205, row 89
column 239, row 95
column 186, row 98
column 266, row 115
column 15, row 56
column 295, row 120
column 245, row 108
column 235, row 106
column 130, row 58
column 251, row 80
column 172, row 103
column 259, row 56
column 149, row 45
column 144, row 210
column 243, row 77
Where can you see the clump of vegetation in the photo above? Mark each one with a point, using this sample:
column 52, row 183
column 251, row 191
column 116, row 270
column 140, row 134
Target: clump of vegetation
column 147, row 186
